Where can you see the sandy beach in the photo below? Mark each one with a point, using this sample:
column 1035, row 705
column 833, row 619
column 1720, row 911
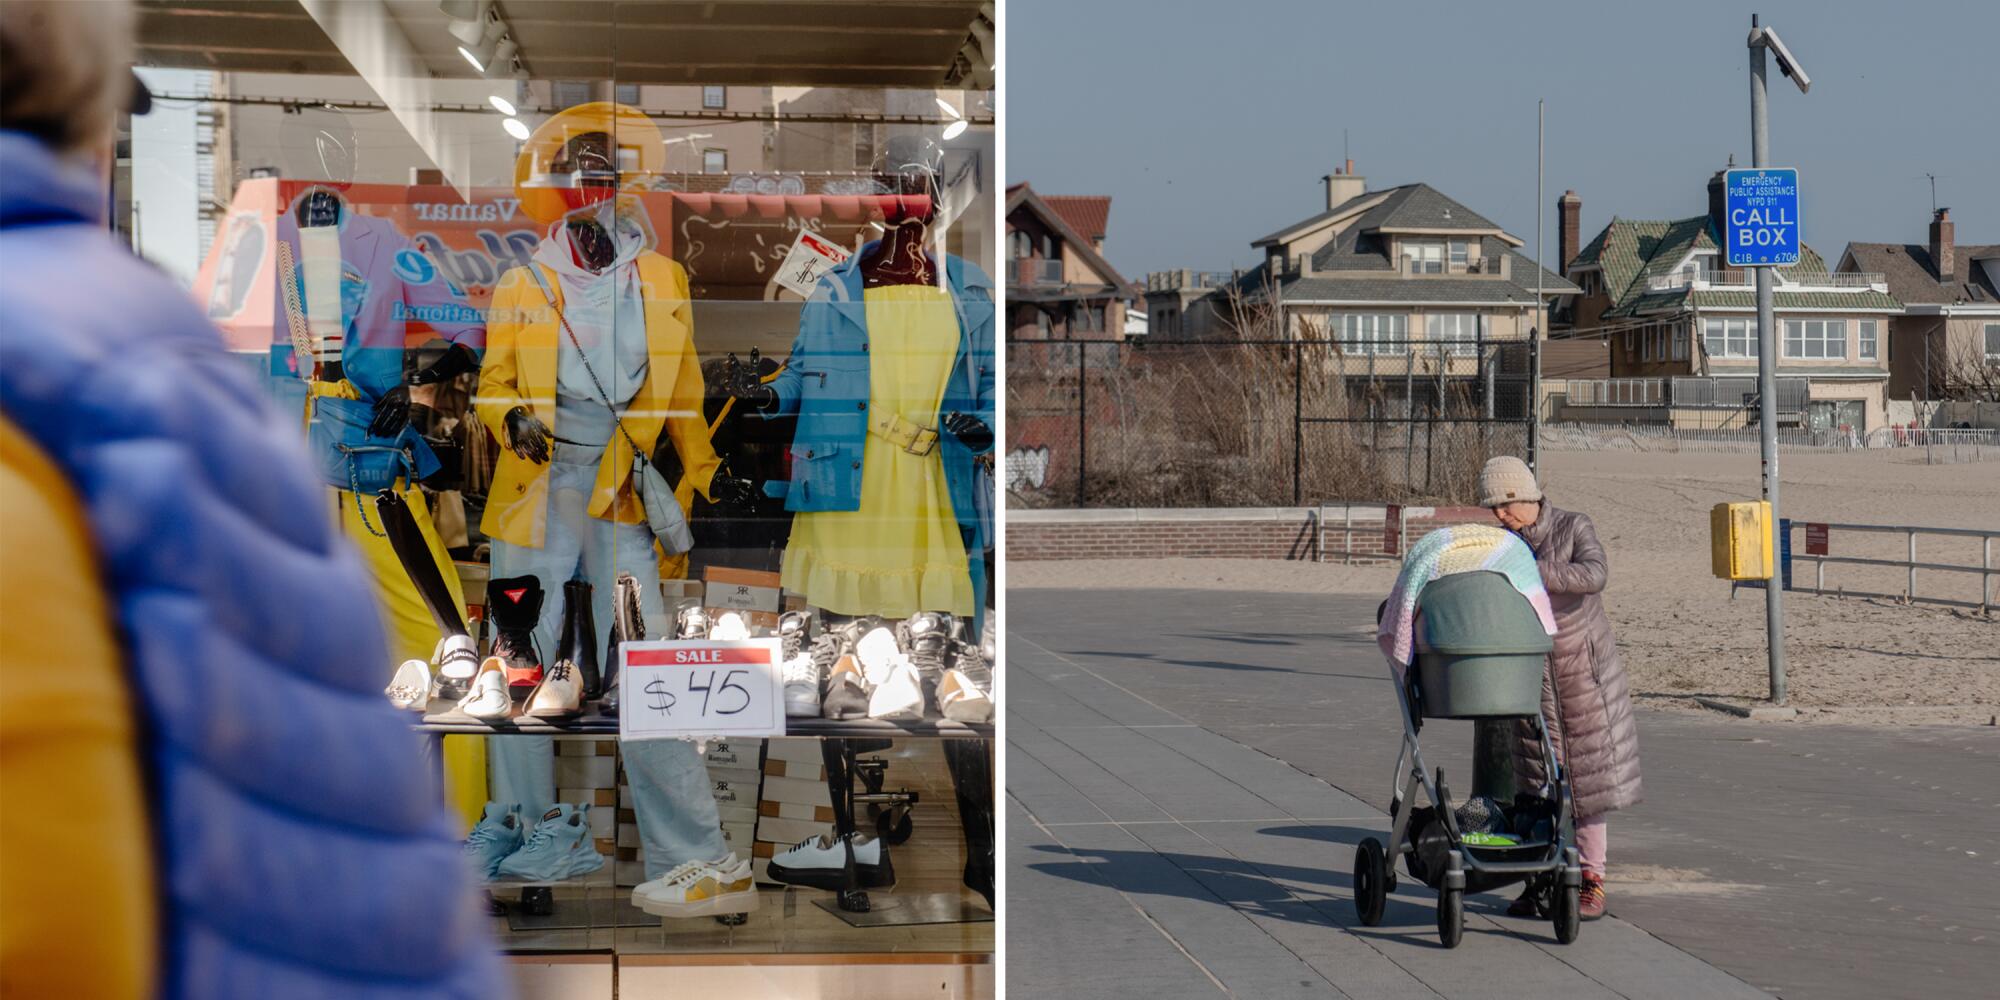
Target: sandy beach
column 1849, row 659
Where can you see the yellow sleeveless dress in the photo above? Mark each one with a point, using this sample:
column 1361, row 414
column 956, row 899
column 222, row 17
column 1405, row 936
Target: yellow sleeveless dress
column 901, row 552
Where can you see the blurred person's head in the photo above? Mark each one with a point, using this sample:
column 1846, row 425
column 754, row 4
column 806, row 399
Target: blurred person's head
column 66, row 72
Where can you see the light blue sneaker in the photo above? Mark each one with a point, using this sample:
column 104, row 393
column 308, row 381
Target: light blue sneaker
column 560, row 847
column 500, row 832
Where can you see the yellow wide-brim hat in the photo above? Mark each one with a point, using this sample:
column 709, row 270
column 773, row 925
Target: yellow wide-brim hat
column 628, row 128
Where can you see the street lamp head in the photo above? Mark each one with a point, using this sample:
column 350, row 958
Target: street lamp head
column 1787, row 64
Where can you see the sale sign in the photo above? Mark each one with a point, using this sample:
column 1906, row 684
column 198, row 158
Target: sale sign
column 699, row 688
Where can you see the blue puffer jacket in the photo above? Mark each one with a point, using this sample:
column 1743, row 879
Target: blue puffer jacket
column 825, row 382
column 303, row 850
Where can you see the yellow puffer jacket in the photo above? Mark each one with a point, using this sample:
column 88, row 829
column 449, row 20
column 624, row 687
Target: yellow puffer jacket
column 522, row 335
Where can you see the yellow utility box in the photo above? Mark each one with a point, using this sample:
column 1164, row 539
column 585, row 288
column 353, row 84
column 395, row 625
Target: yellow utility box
column 1740, row 541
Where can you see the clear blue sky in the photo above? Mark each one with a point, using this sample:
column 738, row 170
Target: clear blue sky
column 1210, row 123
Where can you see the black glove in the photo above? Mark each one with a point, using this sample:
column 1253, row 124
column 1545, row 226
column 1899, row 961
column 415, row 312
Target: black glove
column 456, row 360
column 392, row 413
column 527, row 436
column 743, row 382
column 727, row 491
column 970, row 431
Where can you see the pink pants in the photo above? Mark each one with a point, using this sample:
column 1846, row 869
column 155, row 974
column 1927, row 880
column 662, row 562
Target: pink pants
column 1591, row 842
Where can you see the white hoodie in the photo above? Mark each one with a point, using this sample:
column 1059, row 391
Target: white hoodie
column 606, row 310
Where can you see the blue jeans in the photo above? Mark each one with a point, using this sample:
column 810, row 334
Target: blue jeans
column 671, row 793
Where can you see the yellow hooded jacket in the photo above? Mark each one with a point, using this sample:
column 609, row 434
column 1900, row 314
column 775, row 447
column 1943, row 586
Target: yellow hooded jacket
column 522, row 334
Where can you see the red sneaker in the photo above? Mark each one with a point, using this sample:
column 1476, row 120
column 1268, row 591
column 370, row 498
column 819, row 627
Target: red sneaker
column 1590, row 903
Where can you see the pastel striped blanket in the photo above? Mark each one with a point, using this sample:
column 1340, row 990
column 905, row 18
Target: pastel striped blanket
column 1460, row 548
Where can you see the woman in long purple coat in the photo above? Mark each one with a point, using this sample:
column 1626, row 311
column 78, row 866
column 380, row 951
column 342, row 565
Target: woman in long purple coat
column 1585, row 700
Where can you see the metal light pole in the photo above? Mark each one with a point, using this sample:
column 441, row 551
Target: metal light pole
column 1761, row 42
column 1540, row 330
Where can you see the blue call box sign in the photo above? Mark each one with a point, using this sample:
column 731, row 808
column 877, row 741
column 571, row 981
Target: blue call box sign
column 1761, row 217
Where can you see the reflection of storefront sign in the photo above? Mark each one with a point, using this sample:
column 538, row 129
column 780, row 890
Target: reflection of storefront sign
column 811, row 256
column 691, row 688
column 497, row 210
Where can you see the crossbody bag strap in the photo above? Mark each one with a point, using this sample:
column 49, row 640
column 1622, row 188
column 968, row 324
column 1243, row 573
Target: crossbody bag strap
column 549, row 294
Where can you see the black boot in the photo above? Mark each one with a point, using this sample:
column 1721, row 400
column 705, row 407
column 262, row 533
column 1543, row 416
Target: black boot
column 515, row 605
column 579, row 638
column 627, row 625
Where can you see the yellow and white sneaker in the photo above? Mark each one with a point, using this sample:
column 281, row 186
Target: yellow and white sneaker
column 700, row 889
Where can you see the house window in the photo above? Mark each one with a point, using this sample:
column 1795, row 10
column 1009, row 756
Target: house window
column 1372, row 333
column 714, row 161
column 1020, row 244
column 1042, row 324
column 569, row 93
column 1424, row 258
column 1454, row 333
column 1865, row 343
column 1993, row 342
column 1680, row 338
column 1815, row 338
column 715, row 97
column 626, row 93
column 1729, row 338
column 1460, row 254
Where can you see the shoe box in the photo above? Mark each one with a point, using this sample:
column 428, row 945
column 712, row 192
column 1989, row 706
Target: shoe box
column 753, row 594
column 796, row 804
column 586, row 773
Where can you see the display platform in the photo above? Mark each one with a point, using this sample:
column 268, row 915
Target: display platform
column 444, row 717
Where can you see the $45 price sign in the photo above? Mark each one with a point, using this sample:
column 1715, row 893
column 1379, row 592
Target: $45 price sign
column 691, row 688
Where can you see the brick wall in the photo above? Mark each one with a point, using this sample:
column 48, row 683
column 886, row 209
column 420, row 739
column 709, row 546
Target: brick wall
column 1264, row 533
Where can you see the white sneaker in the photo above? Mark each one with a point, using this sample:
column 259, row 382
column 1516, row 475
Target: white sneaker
column 488, row 699
column 729, row 626
column 801, row 687
column 878, row 653
column 411, row 687
column 821, row 863
column 700, row 889
column 559, row 696
column 900, row 696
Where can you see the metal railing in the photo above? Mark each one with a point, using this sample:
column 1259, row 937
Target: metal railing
column 1791, row 282
column 1617, row 392
column 1988, row 571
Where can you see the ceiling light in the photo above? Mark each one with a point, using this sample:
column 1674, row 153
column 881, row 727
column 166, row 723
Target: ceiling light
column 955, row 129
column 516, row 129
column 502, row 60
column 465, row 10
column 948, row 109
column 501, row 105
column 474, row 60
column 478, row 29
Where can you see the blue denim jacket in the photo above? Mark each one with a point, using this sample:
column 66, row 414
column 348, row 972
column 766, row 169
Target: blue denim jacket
column 825, row 383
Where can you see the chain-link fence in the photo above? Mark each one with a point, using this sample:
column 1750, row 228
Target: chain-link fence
column 1259, row 423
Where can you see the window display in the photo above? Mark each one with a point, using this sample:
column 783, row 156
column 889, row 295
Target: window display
column 590, row 364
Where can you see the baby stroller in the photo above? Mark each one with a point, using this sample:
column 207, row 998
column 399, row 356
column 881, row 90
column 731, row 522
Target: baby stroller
column 1479, row 654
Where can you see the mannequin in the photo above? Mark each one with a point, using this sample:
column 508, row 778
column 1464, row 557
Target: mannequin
column 609, row 343
column 890, row 540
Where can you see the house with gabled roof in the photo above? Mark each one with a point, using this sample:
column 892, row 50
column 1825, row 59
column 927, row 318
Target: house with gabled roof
column 1059, row 285
column 1946, row 343
column 1681, row 326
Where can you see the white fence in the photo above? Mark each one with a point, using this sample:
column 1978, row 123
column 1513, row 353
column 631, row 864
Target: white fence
column 1944, row 445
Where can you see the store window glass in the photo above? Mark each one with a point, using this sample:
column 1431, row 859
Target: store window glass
column 586, row 359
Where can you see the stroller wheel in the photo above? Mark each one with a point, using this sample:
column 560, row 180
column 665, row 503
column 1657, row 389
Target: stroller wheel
column 1371, row 881
column 1451, row 916
column 1568, row 914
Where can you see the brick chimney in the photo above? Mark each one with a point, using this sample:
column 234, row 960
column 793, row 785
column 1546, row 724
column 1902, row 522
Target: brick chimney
column 1342, row 186
column 1569, row 228
column 1944, row 251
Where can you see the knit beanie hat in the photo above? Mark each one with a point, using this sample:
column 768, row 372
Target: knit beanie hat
column 1506, row 479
